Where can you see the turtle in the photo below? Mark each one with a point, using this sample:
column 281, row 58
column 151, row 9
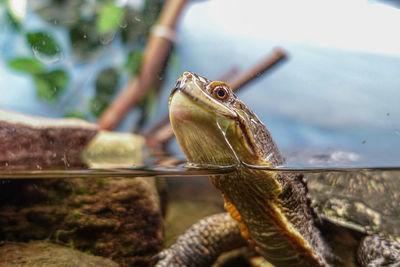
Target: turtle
column 289, row 218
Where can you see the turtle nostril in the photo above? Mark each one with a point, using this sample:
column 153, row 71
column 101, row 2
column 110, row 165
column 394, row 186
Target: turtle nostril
column 178, row 84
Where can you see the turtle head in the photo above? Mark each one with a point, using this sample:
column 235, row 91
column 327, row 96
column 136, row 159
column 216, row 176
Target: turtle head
column 214, row 127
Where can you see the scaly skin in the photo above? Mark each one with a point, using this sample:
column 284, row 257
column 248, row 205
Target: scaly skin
column 272, row 210
column 203, row 243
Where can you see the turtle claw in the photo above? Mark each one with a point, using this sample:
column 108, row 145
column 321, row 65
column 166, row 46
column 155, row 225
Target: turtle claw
column 164, row 258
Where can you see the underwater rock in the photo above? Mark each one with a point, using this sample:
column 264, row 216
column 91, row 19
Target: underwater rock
column 117, row 218
column 42, row 253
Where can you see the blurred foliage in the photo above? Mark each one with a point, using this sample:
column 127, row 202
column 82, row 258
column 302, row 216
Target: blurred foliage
column 94, row 24
column 133, row 62
column 25, row 64
column 106, row 84
column 93, row 28
column 109, row 18
column 42, row 43
column 49, row 84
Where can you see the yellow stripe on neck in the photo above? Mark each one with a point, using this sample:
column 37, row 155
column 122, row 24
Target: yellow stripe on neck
column 236, row 216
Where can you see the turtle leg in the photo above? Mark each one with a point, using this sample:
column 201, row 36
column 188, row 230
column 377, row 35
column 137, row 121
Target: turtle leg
column 377, row 251
column 203, row 242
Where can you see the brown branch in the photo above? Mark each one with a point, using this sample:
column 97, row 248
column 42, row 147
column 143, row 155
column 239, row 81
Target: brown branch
column 161, row 136
column 155, row 54
column 228, row 76
column 277, row 56
column 163, row 131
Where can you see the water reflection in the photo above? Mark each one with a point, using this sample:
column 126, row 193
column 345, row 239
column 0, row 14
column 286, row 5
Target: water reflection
column 129, row 172
column 365, row 199
column 104, row 161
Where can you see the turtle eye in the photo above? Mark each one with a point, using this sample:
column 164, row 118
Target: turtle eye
column 221, row 92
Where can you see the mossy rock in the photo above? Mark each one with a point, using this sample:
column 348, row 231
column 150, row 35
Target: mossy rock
column 42, row 253
column 118, row 218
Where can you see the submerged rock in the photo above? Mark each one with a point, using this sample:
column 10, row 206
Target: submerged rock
column 42, row 253
column 117, row 218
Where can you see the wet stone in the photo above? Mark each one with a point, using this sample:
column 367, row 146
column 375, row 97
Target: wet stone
column 126, row 229
column 42, row 253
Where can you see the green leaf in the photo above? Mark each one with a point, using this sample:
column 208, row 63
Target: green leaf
column 109, row 18
column 44, row 89
column 50, row 85
column 58, row 79
column 106, row 82
column 106, row 85
column 29, row 65
column 43, row 43
column 97, row 107
column 84, row 39
column 134, row 62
